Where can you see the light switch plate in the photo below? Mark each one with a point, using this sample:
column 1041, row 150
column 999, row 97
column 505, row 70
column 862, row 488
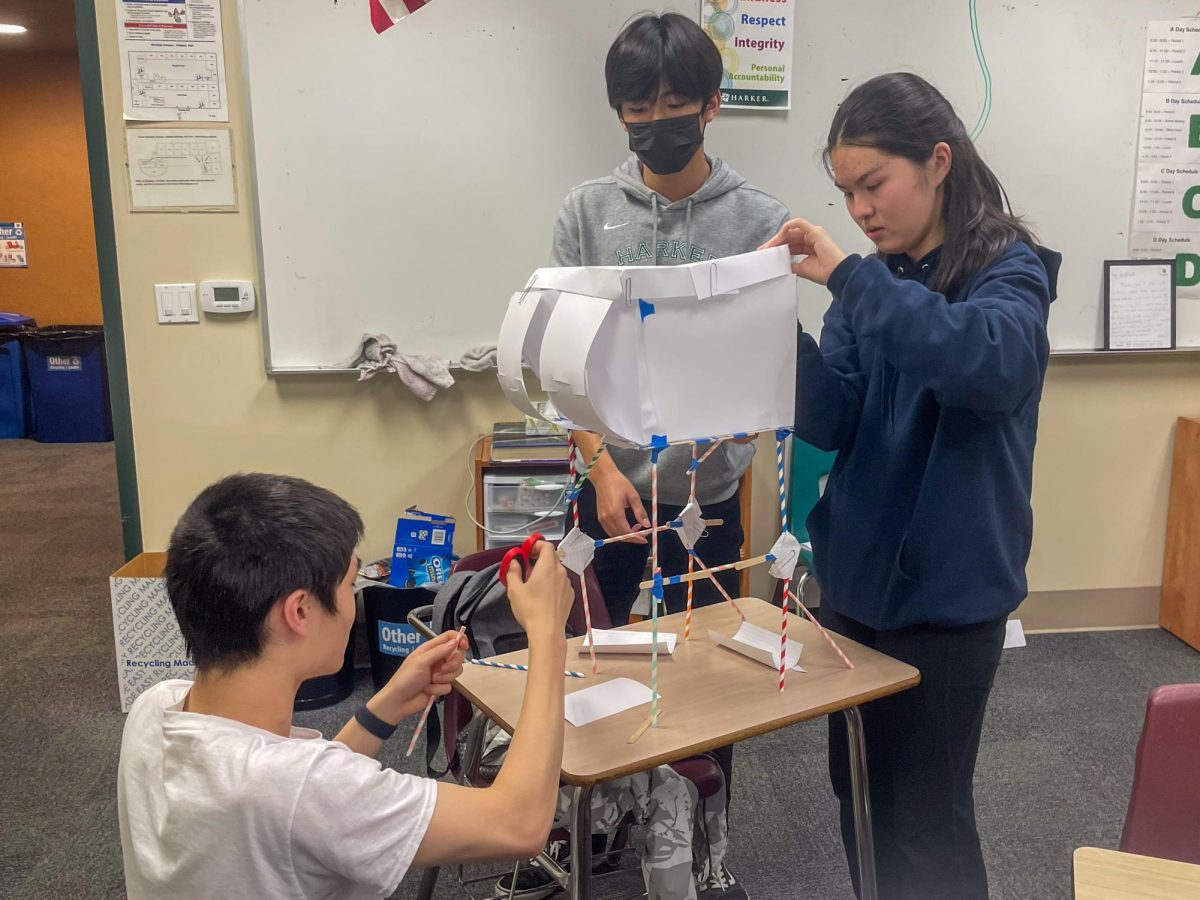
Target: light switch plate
column 176, row 304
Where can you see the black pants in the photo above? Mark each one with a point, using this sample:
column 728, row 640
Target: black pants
column 620, row 567
column 921, row 751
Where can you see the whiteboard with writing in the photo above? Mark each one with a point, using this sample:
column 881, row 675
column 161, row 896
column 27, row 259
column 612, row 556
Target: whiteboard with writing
column 408, row 182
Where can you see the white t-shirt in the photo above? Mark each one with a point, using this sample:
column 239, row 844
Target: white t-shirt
column 213, row 808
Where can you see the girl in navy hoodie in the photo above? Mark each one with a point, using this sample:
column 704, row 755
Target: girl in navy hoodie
column 926, row 382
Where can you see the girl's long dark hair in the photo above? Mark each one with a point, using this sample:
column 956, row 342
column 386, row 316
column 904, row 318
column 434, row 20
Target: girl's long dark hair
column 903, row 114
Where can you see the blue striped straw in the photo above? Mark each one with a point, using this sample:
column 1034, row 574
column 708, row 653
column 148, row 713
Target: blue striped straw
column 515, row 667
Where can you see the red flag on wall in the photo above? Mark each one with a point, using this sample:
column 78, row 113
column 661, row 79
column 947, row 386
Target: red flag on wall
column 386, row 13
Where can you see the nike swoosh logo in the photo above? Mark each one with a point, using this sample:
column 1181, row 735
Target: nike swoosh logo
column 608, row 227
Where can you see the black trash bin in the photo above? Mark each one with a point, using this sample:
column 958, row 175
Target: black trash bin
column 68, row 380
column 326, row 690
column 389, row 636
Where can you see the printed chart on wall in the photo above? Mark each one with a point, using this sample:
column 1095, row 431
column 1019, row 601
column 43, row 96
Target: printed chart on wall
column 172, row 60
column 755, row 40
column 1166, row 204
column 180, row 169
column 12, row 246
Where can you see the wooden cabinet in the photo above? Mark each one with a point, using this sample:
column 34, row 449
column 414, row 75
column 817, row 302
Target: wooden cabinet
column 1179, row 607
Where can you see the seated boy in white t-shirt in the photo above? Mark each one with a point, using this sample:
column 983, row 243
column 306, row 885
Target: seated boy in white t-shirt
column 219, row 797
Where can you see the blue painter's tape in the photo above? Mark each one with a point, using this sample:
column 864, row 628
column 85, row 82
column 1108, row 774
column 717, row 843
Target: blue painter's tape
column 597, row 544
column 658, row 586
column 676, row 523
column 693, row 466
column 658, row 443
column 741, row 434
column 770, row 557
column 781, row 434
column 646, row 309
column 701, row 442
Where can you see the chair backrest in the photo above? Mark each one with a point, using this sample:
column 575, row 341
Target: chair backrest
column 1163, row 819
column 809, row 467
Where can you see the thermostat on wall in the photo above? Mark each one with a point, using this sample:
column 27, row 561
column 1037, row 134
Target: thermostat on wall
column 226, row 296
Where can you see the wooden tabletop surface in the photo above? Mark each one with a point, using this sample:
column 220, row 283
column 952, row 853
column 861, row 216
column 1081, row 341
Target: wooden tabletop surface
column 711, row 696
column 1113, row 875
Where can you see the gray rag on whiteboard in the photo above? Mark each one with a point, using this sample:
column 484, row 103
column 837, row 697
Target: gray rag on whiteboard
column 422, row 375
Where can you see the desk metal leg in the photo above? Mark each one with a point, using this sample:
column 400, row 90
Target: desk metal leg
column 864, row 838
column 581, row 844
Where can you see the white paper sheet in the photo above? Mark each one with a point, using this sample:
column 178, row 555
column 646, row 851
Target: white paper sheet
column 602, row 700
column 180, row 169
column 690, row 351
column 760, row 645
column 787, row 554
column 520, row 344
column 1139, row 307
column 640, row 642
column 172, row 60
column 576, row 551
column 1014, row 634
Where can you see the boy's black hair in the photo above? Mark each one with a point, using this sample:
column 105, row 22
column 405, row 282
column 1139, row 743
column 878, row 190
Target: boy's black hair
column 246, row 542
column 653, row 51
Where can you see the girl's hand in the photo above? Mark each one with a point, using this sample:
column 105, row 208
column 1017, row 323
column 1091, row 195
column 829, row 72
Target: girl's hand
column 821, row 254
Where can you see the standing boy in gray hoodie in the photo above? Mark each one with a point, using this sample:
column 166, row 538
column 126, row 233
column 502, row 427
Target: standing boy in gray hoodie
column 668, row 204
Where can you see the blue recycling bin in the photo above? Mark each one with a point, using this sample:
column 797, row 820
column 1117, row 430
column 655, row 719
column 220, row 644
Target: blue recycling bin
column 16, row 409
column 68, row 380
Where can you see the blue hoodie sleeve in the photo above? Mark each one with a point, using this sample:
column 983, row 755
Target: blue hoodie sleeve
column 985, row 352
column 830, row 385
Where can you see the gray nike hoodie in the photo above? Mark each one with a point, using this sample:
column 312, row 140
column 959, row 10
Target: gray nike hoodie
column 618, row 221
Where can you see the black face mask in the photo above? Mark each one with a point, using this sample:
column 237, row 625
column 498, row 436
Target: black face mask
column 665, row 146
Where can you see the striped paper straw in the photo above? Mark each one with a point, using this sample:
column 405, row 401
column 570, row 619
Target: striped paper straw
column 739, row 564
column 516, row 667
column 720, row 587
column 587, row 609
column 412, row 745
column 687, row 615
column 784, row 602
column 736, row 436
column 824, row 633
column 657, row 593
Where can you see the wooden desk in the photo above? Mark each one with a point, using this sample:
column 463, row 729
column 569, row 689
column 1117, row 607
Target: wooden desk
column 1112, row 875
column 711, row 697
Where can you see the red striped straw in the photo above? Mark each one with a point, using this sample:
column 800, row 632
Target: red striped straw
column 783, row 606
column 824, row 633
column 720, row 587
column 412, row 745
column 587, row 609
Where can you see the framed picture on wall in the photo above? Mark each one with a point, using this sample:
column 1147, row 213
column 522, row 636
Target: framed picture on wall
column 1139, row 304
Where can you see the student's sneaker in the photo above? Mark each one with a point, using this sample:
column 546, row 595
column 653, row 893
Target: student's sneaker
column 534, row 882
column 720, row 885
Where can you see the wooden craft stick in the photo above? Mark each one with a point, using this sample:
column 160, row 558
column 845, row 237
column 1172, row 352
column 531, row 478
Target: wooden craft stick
column 704, row 573
column 641, row 729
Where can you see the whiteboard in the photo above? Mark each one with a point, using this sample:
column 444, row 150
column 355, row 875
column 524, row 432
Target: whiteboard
column 408, row 182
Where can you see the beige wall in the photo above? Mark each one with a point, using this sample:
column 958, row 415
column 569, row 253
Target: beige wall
column 202, row 406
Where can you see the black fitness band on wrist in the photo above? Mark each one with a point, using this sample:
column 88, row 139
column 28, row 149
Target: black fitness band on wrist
column 373, row 724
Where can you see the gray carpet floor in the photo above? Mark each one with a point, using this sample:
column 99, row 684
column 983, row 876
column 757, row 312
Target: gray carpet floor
column 1054, row 770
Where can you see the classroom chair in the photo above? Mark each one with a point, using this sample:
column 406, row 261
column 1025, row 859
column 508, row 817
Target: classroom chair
column 463, row 727
column 1163, row 818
